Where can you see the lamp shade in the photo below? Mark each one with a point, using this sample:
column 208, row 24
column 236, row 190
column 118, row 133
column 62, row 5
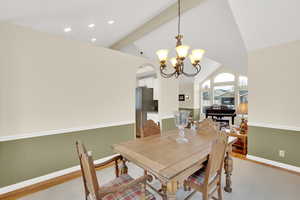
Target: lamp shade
column 182, row 51
column 162, row 54
column 243, row 108
column 198, row 54
column 192, row 59
column 173, row 61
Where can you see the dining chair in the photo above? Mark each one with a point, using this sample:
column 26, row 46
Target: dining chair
column 150, row 128
column 208, row 180
column 123, row 187
column 208, row 126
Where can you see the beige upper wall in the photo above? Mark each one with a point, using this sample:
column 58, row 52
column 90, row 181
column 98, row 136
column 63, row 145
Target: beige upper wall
column 188, row 90
column 48, row 83
column 274, row 85
column 168, row 102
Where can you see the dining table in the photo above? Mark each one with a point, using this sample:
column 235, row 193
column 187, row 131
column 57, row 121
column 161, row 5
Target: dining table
column 171, row 162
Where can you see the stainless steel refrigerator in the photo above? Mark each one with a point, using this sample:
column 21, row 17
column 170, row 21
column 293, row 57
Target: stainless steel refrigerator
column 144, row 103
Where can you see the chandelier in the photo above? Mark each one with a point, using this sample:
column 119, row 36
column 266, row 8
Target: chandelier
column 181, row 54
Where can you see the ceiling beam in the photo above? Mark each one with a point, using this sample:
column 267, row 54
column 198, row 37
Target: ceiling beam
column 165, row 16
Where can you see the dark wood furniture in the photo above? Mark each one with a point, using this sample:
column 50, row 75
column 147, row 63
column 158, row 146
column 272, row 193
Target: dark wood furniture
column 218, row 112
column 241, row 145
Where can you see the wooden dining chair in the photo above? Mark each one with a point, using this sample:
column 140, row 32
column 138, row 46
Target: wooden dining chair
column 123, row 187
column 208, row 180
column 208, row 126
column 150, row 128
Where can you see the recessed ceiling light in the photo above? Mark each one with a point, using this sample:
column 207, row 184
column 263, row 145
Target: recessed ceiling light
column 91, row 25
column 93, row 40
column 67, row 29
column 111, row 22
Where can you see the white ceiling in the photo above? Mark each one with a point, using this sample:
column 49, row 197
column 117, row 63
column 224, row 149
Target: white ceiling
column 53, row 15
column 214, row 25
column 265, row 23
column 210, row 26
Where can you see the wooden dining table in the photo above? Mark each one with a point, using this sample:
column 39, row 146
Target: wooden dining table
column 172, row 162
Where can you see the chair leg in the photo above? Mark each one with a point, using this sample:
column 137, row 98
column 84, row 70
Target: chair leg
column 124, row 168
column 143, row 191
column 220, row 194
column 205, row 195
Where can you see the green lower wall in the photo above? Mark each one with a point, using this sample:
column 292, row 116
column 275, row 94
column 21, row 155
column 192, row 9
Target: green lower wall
column 29, row 158
column 266, row 142
column 195, row 113
column 168, row 124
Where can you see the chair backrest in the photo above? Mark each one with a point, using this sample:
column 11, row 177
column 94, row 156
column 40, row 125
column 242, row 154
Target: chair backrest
column 216, row 157
column 207, row 126
column 150, row 128
column 90, row 181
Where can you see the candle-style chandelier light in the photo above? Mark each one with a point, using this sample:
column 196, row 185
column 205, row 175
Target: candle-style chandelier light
column 181, row 54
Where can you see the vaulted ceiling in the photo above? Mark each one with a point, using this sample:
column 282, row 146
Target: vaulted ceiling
column 264, row 23
column 210, row 26
column 227, row 29
column 53, row 16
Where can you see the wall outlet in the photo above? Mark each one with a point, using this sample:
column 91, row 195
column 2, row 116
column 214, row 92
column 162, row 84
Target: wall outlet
column 281, row 153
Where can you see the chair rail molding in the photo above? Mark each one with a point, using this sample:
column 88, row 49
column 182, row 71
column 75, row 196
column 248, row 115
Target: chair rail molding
column 167, row 117
column 62, row 131
column 39, row 179
column 274, row 126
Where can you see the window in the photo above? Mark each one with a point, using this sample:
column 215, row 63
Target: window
column 243, row 81
column 206, row 96
column 224, row 77
column 225, row 89
column 224, row 95
column 243, row 89
column 243, row 96
column 206, row 84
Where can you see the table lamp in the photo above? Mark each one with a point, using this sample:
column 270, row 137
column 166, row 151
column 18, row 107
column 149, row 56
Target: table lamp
column 243, row 110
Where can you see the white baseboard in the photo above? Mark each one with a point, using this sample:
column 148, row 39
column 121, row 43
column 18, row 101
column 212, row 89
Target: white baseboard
column 274, row 163
column 33, row 181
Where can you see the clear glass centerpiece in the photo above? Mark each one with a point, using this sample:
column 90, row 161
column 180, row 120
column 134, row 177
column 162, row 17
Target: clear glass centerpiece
column 181, row 121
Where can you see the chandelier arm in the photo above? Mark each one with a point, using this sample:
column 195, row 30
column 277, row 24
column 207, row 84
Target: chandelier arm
column 165, row 75
column 168, row 75
column 198, row 69
column 182, row 67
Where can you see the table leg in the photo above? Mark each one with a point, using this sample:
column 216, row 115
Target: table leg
column 124, row 168
column 170, row 190
column 228, row 165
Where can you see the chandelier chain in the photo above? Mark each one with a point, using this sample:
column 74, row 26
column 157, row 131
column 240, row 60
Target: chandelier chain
column 179, row 15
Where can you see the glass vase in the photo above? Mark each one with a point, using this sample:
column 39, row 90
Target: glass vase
column 181, row 121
